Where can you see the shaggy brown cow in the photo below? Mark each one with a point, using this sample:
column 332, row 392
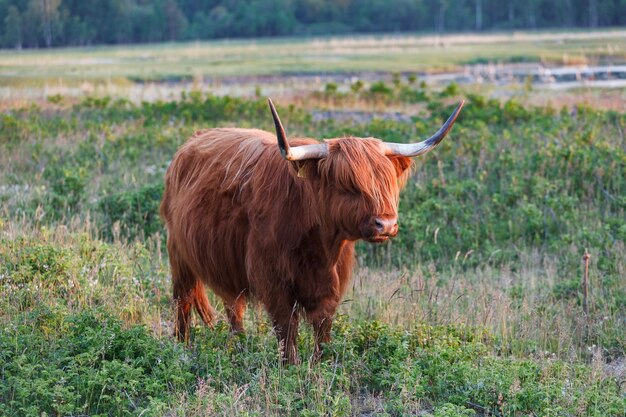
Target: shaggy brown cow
column 250, row 219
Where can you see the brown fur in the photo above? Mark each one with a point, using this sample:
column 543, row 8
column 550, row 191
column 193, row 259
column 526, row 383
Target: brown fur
column 249, row 224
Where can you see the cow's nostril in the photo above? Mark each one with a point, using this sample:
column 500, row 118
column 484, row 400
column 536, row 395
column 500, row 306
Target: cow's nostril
column 385, row 226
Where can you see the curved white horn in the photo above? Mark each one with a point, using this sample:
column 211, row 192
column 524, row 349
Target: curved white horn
column 297, row 153
column 415, row 149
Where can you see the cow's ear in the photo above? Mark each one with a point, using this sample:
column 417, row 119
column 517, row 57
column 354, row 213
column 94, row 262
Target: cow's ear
column 306, row 168
column 401, row 163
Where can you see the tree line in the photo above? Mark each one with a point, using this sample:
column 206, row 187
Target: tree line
column 49, row 23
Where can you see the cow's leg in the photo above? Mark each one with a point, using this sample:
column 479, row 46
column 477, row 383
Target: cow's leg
column 235, row 309
column 188, row 291
column 182, row 287
column 275, row 294
column 285, row 319
column 183, row 292
column 321, row 318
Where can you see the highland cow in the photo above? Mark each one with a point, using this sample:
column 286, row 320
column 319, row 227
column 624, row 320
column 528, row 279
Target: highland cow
column 253, row 215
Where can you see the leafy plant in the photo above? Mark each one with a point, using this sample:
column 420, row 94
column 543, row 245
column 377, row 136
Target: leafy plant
column 136, row 211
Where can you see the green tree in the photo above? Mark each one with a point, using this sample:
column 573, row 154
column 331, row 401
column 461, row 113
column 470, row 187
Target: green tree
column 49, row 17
column 41, row 22
column 442, row 6
column 83, row 22
column 593, row 13
column 13, row 28
column 176, row 20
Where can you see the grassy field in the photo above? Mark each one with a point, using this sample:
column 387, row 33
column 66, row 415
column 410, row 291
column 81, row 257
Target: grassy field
column 290, row 68
column 391, row 53
column 476, row 308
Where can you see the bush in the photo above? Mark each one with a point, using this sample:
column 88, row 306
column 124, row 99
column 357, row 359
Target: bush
column 380, row 88
column 136, row 211
column 69, row 364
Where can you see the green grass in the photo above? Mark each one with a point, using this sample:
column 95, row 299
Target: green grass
column 475, row 308
column 82, row 334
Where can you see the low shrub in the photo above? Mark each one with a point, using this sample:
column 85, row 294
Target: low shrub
column 136, row 211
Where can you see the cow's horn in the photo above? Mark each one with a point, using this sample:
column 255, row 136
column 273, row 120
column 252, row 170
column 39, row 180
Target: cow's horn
column 297, row 153
column 415, row 149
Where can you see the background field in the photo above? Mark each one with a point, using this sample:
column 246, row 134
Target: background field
column 476, row 307
column 388, row 53
column 290, row 68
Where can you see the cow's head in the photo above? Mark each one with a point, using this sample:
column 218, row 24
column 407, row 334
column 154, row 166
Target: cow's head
column 358, row 179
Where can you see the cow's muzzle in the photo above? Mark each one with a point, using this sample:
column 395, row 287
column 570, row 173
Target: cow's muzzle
column 380, row 228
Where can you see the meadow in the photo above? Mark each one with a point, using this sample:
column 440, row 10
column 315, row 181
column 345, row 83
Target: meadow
column 386, row 53
column 477, row 308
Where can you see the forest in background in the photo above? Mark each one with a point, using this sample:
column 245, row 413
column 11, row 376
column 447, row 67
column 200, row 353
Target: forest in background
column 52, row 23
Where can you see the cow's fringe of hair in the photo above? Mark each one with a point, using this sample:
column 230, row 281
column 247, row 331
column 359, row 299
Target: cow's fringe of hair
column 358, row 165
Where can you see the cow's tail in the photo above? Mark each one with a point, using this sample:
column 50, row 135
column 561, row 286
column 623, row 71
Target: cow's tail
column 188, row 292
column 202, row 305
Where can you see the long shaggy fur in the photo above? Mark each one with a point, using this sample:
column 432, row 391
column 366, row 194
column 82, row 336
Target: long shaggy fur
column 246, row 223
